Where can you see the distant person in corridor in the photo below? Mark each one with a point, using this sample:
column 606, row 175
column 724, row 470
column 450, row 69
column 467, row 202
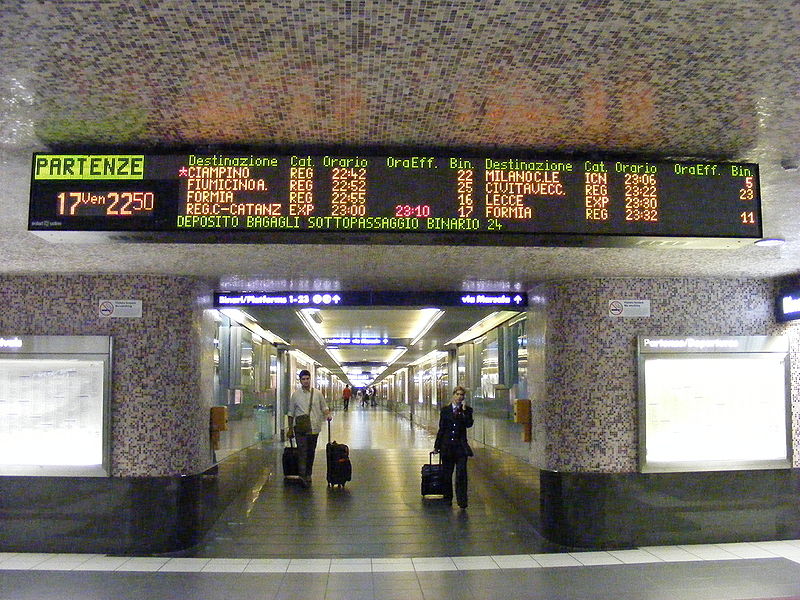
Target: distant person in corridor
column 346, row 393
column 306, row 401
column 451, row 442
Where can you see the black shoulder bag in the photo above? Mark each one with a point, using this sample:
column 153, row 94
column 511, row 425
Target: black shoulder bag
column 302, row 423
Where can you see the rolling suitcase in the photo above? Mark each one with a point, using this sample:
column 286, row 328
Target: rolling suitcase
column 340, row 471
column 291, row 468
column 433, row 483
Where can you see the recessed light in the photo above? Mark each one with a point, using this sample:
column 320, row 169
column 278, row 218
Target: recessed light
column 770, row 242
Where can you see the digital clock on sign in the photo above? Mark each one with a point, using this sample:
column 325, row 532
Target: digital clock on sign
column 106, row 204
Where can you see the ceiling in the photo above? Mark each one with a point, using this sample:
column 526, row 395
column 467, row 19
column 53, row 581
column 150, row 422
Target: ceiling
column 369, row 326
column 650, row 78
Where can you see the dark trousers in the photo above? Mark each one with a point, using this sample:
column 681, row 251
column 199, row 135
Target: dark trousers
column 306, row 447
column 346, row 402
column 459, row 465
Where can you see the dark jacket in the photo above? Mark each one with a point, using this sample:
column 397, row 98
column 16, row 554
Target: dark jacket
column 451, row 439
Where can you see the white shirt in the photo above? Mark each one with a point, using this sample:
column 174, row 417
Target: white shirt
column 299, row 402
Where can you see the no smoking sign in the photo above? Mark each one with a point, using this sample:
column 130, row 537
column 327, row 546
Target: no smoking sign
column 615, row 308
column 116, row 309
column 629, row 308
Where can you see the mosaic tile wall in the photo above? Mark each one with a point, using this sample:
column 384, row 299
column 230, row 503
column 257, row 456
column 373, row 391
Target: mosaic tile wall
column 792, row 330
column 586, row 411
column 537, row 373
column 581, row 74
column 159, row 413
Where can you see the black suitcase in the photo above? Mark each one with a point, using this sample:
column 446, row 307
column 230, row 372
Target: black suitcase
column 291, row 466
column 433, row 483
column 340, row 470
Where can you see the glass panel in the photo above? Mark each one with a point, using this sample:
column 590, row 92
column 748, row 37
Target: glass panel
column 426, row 401
column 489, row 366
column 401, row 393
column 462, row 366
column 521, row 335
column 261, row 351
column 443, row 384
column 427, row 385
column 246, row 361
column 273, row 371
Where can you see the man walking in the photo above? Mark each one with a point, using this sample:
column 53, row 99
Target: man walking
column 307, row 409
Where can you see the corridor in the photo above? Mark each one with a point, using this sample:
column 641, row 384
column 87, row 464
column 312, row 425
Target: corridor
column 380, row 513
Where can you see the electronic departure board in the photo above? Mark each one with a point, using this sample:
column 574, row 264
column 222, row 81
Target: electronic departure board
column 427, row 199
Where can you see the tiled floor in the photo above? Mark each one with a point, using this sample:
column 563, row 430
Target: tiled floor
column 376, row 539
column 628, row 575
column 789, row 550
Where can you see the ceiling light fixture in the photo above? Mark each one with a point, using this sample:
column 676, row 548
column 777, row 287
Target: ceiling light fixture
column 435, row 315
column 479, row 328
column 336, row 357
column 242, row 318
column 303, row 356
column 767, row 242
column 431, row 357
column 335, row 354
column 400, row 350
column 307, row 320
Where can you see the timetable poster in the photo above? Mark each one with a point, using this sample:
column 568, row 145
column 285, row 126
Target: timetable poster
column 51, row 412
column 720, row 409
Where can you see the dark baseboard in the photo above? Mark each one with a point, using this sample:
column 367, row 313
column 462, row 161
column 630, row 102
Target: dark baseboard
column 623, row 510
column 121, row 515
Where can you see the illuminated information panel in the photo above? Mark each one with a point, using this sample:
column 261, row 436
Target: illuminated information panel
column 714, row 403
column 54, row 405
column 420, row 199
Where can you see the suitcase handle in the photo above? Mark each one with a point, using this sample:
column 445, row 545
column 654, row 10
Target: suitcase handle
column 430, row 457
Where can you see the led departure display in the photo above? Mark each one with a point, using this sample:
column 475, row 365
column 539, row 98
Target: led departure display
column 420, row 199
